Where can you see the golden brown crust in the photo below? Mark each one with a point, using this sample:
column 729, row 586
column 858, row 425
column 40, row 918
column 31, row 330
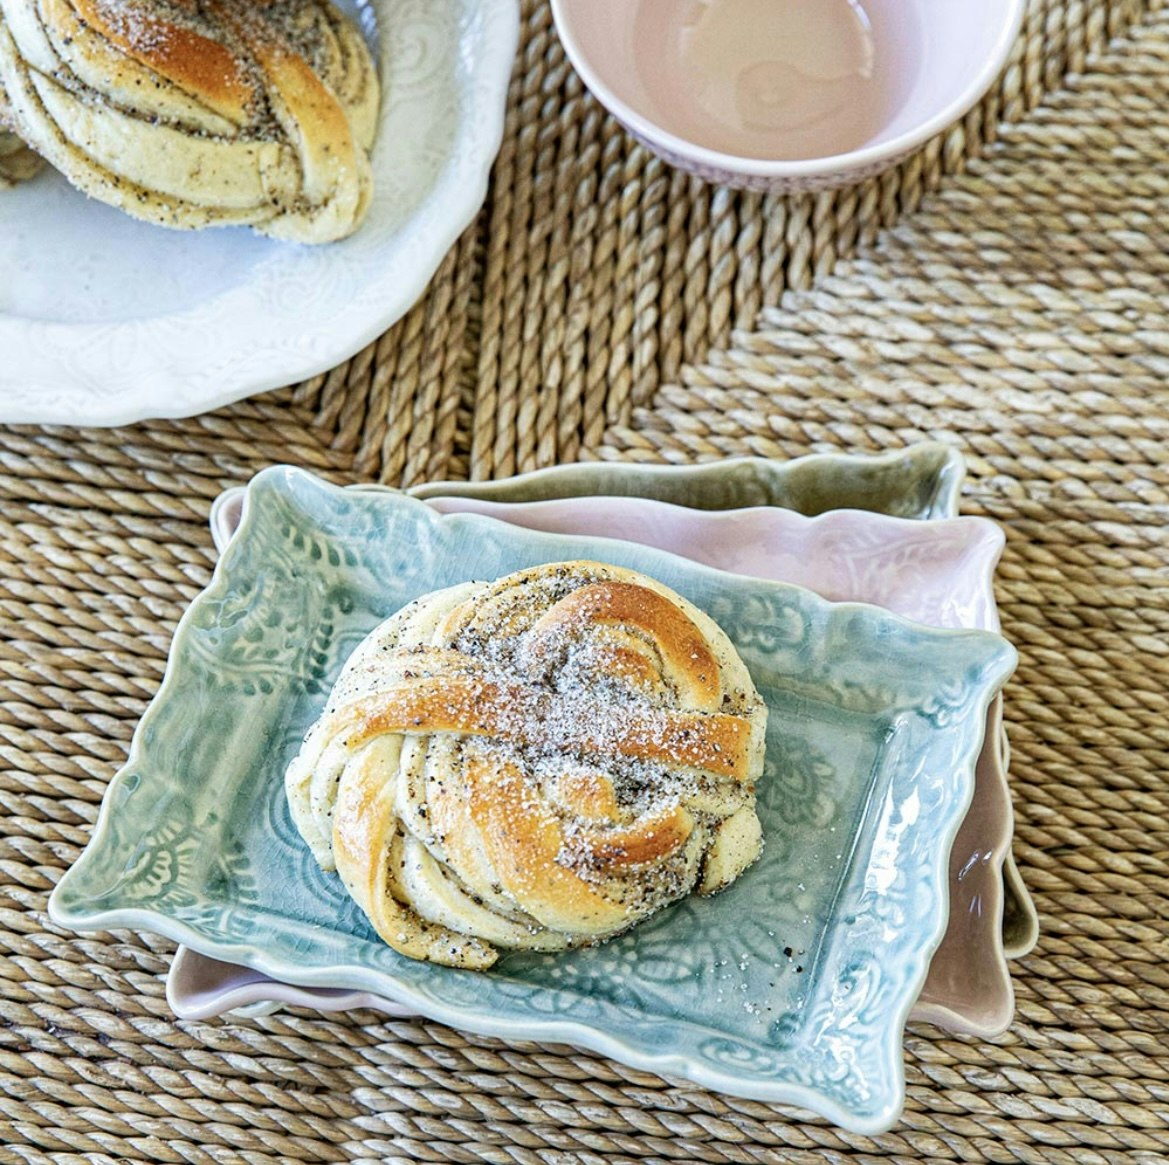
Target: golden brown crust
column 629, row 605
column 197, row 64
column 536, row 762
column 480, row 706
column 522, row 844
column 366, row 825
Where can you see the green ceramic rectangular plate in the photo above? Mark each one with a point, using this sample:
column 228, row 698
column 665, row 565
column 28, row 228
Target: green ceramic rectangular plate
column 922, row 481
column 874, row 727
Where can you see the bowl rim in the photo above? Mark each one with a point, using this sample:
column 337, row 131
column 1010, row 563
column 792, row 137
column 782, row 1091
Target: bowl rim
column 661, row 139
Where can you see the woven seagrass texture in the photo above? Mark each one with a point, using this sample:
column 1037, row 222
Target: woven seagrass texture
column 1007, row 291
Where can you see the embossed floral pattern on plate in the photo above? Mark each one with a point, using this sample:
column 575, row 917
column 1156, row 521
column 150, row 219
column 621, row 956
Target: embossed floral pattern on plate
column 792, row 986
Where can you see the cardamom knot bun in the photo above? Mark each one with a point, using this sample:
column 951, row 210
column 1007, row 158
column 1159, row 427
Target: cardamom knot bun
column 534, row 763
column 196, row 113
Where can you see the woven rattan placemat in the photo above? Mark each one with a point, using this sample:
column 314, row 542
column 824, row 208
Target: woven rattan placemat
column 1006, row 291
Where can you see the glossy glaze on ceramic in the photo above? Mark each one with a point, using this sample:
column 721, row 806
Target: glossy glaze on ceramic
column 876, row 724
column 780, row 79
column 922, row 481
column 931, row 62
column 199, row 987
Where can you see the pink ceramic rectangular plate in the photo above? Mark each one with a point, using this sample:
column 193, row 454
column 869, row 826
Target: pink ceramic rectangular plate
column 939, row 573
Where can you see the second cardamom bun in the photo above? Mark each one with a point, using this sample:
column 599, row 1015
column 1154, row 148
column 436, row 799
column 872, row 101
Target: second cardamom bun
column 195, row 113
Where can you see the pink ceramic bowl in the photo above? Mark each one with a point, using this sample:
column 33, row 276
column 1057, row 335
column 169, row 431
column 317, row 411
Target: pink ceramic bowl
column 787, row 95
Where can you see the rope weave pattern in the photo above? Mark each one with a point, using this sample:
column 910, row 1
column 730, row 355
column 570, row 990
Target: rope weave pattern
column 1005, row 290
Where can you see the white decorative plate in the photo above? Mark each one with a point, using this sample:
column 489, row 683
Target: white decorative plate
column 106, row 320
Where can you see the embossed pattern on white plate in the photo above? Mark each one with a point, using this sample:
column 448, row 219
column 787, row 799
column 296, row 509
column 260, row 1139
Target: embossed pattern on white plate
column 105, row 320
